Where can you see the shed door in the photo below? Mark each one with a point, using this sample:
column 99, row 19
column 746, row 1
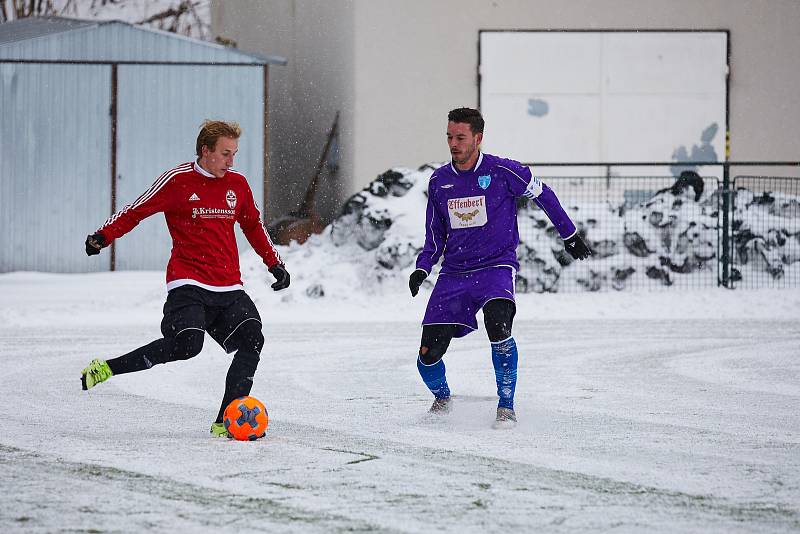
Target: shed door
column 160, row 110
column 604, row 96
column 54, row 186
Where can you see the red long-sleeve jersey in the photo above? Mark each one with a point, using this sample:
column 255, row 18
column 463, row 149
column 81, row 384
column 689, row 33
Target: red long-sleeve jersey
column 200, row 210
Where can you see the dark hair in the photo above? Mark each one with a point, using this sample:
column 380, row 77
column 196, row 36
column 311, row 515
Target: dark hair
column 469, row 116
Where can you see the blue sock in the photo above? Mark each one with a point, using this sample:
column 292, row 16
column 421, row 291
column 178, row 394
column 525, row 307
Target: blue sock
column 504, row 358
column 434, row 378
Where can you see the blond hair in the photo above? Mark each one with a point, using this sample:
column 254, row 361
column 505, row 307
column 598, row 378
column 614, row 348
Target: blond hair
column 211, row 131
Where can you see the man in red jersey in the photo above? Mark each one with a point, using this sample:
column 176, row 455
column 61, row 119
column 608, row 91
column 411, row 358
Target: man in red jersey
column 201, row 201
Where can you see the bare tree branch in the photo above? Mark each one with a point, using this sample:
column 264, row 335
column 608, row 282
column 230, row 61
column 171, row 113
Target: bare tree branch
column 187, row 17
column 171, row 12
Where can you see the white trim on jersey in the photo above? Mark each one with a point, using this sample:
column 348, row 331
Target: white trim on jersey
column 189, row 282
column 160, row 183
column 147, row 195
column 504, row 266
column 512, row 172
column 533, row 188
column 477, row 164
column 202, row 171
column 266, row 234
column 571, row 235
column 433, row 234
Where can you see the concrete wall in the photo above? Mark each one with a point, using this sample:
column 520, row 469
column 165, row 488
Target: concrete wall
column 405, row 64
column 317, row 39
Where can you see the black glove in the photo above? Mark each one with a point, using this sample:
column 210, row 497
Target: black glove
column 94, row 243
column 415, row 280
column 577, row 248
column 281, row 276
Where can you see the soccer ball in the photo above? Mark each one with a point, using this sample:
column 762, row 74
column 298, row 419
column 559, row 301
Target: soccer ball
column 246, row 419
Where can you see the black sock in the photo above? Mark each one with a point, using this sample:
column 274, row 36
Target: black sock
column 239, row 380
column 139, row 359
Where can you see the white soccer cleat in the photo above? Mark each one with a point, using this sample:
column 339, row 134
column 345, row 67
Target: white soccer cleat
column 440, row 406
column 506, row 418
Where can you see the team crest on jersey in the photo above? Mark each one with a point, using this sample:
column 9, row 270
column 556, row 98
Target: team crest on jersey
column 484, row 181
column 230, row 198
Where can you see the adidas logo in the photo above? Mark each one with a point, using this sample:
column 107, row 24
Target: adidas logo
column 193, row 197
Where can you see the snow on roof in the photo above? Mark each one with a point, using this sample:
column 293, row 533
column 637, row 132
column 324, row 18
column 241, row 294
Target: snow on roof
column 33, row 27
column 60, row 38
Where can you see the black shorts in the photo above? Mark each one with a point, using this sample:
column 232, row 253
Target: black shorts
column 218, row 313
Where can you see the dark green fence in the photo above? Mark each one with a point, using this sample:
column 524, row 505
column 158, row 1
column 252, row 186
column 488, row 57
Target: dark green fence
column 765, row 232
column 657, row 233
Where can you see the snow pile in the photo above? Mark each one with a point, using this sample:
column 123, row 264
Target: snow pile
column 766, row 234
column 669, row 239
column 369, row 249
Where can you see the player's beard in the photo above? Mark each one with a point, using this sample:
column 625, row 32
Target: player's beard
column 465, row 156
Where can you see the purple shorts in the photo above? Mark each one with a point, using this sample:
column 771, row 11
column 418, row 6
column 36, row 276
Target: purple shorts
column 457, row 297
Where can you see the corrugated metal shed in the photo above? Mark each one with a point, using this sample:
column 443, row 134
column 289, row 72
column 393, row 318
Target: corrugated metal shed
column 57, row 38
column 56, row 137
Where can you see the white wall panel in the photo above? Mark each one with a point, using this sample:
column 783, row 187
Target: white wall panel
column 650, row 127
column 572, row 124
column 665, row 62
column 523, row 62
column 608, row 96
column 55, row 183
column 161, row 109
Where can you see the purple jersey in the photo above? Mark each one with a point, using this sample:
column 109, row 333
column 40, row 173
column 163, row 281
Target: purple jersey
column 471, row 216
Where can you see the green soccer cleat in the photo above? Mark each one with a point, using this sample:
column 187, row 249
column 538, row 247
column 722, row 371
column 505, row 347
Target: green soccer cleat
column 98, row 371
column 218, row 430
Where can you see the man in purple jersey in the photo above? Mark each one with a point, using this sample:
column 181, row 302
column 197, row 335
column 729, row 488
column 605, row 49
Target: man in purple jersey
column 471, row 221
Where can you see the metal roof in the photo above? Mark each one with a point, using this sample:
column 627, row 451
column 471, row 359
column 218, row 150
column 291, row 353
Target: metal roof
column 33, row 27
column 59, row 38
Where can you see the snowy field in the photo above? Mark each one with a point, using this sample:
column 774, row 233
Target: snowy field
column 665, row 412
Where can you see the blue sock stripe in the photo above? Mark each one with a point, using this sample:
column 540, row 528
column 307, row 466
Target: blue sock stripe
column 500, row 374
column 434, row 377
column 504, row 359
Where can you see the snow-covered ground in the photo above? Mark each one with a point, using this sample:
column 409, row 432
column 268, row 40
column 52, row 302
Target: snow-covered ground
column 657, row 412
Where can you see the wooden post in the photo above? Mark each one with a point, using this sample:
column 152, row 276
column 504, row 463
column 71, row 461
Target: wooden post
column 113, row 156
column 265, row 205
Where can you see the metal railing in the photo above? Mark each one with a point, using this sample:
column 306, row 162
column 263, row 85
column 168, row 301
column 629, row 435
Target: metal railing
column 658, row 232
column 765, row 232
